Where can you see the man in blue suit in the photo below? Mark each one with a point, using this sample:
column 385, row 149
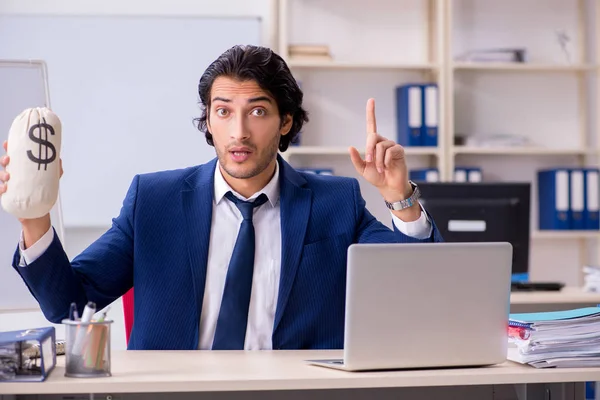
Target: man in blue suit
column 243, row 252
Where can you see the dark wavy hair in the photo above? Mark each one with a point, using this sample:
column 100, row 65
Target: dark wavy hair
column 269, row 71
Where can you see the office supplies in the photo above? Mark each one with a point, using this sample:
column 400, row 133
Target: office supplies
column 577, row 196
column 16, row 360
column 430, row 115
column 424, row 175
column 409, row 115
column 517, row 55
column 86, row 317
column 474, row 175
column 482, row 212
column 92, row 359
column 73, row 312
column 591, row 215
column 308, row 52
column 24, row 84
column 128, row 64
column 564, row 339
column 460, row 175
column 554, row 199
column 591, row 278
column 414, row 306
column 524, row 286
column 35, row 350
column 467, row 174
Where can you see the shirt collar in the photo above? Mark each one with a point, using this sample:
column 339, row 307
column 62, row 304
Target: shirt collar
column 271, row 190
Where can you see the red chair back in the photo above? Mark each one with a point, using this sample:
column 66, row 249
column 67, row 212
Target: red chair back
column 128, row 313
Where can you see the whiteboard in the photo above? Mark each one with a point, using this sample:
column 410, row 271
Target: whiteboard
column 125, row 89
column 24, row 85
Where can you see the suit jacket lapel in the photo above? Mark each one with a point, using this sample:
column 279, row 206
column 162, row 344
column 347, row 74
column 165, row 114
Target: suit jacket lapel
column 295, row 203
column 197, row 197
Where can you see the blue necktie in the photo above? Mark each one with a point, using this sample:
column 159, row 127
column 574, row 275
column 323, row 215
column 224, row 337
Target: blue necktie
column 230, row 333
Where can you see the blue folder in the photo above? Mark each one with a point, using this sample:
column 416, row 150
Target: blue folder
column 409, row 115
column 424, row 175
column 554, row 199
column 591, row 215
column 577, row 198
column 430, row 112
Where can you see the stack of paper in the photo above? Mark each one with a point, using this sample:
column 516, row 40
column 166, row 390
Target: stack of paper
column 557, row 339
column 591, row 279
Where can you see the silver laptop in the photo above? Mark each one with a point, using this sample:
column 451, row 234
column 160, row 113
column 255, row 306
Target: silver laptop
column 425, row 305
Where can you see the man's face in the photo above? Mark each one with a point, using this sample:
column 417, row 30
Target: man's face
column 245, row 124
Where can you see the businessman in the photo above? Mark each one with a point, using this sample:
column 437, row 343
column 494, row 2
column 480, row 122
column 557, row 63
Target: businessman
column 243, row 252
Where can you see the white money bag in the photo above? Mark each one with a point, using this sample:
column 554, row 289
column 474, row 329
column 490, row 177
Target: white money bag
column 34, row 142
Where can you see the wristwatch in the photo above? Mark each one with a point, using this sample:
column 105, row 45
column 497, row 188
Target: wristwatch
column 406, row 203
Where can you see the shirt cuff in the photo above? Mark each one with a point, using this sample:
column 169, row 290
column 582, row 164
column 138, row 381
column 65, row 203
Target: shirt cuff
column 419, row 229
column 35, row 251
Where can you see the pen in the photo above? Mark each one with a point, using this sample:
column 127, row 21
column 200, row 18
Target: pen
column 86, row 317
column 103, row 316
column 73, row 312
column 88, row 312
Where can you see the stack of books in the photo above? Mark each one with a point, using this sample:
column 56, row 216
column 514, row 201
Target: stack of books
column 309, row 52
column 563, row 339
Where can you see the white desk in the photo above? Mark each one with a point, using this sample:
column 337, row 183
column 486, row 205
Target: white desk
column 182, row 372
column 568, row 297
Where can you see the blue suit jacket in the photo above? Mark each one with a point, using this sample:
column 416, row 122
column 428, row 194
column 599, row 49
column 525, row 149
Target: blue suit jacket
column 160, row 241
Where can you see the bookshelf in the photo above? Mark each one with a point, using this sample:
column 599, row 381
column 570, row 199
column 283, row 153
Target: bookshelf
column 551, row 100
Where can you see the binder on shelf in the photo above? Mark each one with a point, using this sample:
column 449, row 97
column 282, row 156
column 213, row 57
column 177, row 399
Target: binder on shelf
column 576, row 188
column 474, row 175
column 409, row 115
column 424, row 175
column 553, row 199
column 460, row 174
column 430, row 112
column 591, row 215
column 468, row 174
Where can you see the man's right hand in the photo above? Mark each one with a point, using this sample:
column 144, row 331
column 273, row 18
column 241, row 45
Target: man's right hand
column 33, row 229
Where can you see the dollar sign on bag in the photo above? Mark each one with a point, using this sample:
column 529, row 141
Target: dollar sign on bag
column 44, row 145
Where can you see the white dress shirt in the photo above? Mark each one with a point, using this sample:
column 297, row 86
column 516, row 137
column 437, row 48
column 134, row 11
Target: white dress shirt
column 226, row 221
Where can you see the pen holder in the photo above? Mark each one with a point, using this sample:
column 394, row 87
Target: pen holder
column 87, row 349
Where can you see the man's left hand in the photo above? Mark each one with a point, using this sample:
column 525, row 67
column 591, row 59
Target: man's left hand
column 385, row 163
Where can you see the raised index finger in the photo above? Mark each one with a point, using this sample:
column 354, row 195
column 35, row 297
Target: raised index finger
column 371, row 123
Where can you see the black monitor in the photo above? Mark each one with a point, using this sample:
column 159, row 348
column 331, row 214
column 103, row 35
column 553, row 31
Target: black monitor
column 482, row 212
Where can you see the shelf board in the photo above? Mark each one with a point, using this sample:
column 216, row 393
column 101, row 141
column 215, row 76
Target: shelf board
column 521, row 67
column 562, row 235
column 359, row 65
column 520, row 151
column 328, row 150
